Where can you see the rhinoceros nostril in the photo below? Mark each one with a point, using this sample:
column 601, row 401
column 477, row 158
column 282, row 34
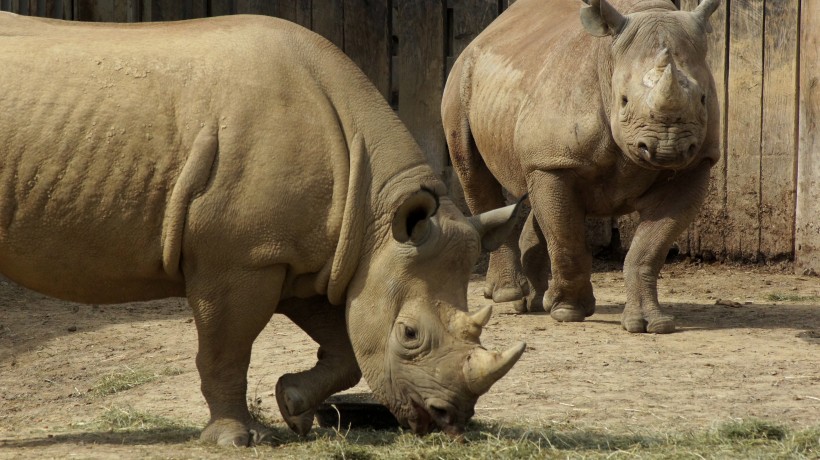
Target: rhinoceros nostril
column 644, row 151
column 692, row 149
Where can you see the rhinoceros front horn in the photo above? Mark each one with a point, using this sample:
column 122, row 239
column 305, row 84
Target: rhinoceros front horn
column 483, row 368
column 494, row 226
column 667, row 95
column 482, row 317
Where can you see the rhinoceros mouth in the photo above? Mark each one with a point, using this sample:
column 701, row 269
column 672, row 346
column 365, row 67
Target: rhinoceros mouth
column 422, row 422
column 643, row 157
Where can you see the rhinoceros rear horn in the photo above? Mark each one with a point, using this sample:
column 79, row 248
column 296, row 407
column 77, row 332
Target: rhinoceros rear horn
column 483, row 368
column 601, row 19
column 411, row 223
column 494, row 226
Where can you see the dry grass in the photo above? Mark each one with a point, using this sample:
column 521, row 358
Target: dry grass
column 734, row 440
column 127, row 379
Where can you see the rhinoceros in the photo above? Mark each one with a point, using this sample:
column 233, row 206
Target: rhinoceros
column 246, row 164
column 593, row 113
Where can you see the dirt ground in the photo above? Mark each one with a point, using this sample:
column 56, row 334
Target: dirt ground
column 754, row 355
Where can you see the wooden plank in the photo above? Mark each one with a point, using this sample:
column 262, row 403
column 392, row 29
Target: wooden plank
column 807, row 227
column 51, row 9
column 266, row 7
column 132, row 10
column 5, row 5
column 304, row 13
column 19, row 6
column 465, row 20
column 94, row 10
column 367, row 40
column 421, row 61
column 169, row 10
column 470, row 17
column 779, row 129
column 222, row 7
column 744, row 129
column 199, row 8
column 328, row 20
column 120, row 13
column 67, row 9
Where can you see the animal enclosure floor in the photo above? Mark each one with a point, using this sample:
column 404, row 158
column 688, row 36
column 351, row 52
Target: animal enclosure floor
column 753, row 354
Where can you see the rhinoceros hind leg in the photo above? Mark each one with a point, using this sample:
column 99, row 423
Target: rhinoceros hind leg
column 506, row 280
column 228, row 320
column 299, row 395
column 535, row 263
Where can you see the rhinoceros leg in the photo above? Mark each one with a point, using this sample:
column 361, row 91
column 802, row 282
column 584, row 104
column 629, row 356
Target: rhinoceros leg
column 230, row 308
column 535, row 263
column 300, row 394
column 482, row 192
column 558, row 208
column 664, row 214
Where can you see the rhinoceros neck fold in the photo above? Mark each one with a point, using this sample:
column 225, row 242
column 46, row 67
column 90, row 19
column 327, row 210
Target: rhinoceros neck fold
column 351, row 235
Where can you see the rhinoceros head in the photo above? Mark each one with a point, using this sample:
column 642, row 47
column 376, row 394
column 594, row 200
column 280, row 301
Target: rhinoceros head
column 415, row 343
column 661, row 86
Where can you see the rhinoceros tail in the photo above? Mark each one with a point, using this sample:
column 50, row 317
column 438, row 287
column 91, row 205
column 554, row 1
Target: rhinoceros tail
column 192, row 180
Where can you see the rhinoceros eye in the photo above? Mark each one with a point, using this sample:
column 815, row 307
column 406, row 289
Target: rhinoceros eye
column 624, row 101
column 703, row 100
column 410, row 333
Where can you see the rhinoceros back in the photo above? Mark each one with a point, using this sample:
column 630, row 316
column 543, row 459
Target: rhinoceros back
column 98, row 121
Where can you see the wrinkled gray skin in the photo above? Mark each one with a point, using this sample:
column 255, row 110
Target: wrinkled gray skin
column 244, row 163
column 595, row 110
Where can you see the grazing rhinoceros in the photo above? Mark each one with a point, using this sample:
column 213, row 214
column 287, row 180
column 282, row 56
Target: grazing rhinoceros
column 245, row 163
column 588, row 126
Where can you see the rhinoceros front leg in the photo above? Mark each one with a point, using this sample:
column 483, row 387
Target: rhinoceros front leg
column 300, row 394
column 558, row 209
column 664, row 214
column 230, row 308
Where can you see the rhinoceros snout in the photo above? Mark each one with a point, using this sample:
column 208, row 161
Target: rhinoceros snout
column 672, row 156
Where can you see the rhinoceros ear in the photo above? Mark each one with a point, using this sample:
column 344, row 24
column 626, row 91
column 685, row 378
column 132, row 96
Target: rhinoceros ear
column 704, row 10
column 411, row 223
column 494, row 226
column 601, row 19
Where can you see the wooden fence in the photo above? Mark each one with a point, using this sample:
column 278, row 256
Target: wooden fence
column 764, row 198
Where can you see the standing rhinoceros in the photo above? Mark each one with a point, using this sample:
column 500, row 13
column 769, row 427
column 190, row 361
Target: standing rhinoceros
column 245, row 163
column 594, row 114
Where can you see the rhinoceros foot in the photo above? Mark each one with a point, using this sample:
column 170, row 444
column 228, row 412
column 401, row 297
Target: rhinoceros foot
column 532, row 303
column 506, row 294
column 656, row 324
column 293, row 406
column 567, row 313
column 504, row 281
column 229, row 432
column 569, row 308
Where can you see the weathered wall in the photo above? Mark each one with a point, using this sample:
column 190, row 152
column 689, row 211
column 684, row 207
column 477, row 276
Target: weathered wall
column 764, row 196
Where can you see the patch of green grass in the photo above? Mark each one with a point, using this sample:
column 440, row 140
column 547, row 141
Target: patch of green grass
column 751, row 430
column 127, row 379
column 127, row 418
column 780, row 297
